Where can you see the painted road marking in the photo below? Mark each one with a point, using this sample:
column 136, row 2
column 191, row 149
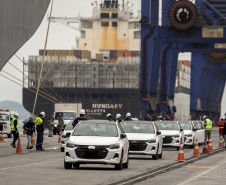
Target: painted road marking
column 29, row 165
column 199, row 167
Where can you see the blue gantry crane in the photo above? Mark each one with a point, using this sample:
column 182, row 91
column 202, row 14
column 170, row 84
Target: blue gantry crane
column 199, row 28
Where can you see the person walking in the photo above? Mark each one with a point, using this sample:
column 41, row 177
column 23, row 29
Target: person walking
column 109, row 117
column 81, row 117
column 30, row 128
column 221, row 127
column 119, row 119
column 128, row 116
column 14, row 129
column 40, row 129
column 51, row 126
column 60, row 123
column 208, row 127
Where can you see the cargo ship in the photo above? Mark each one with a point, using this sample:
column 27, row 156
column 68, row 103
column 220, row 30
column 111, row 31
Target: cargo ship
column 103, row 72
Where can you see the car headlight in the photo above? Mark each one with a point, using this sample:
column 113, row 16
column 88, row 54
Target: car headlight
column 64, row 136
column 176, row 136
column 151, row 141
column 189, row 135
column 114, row 146
column 70, row 145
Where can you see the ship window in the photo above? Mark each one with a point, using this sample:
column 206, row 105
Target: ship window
column 83, row 34
column 114, row 24
column 136, row 35
column 104, row 15
column 86, row 24
column 114, row 16
column 105, row 24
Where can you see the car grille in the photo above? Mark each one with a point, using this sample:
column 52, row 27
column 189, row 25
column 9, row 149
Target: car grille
column 167, row 139
column 100, row 152
column 137, row 145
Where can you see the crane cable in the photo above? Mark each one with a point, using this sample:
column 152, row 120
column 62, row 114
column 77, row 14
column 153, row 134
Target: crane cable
column 26, row 88
column 43, row 59
column 32, row 87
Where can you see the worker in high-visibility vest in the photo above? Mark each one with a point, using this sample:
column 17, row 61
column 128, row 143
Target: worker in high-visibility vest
column 119, row 119
column 40, row 129
column 208, row 127
column 14, row 129
column 221, row 127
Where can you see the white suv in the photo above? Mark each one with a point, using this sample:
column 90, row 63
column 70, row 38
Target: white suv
column 172, row 133
column 97, row 142
column 144, row 138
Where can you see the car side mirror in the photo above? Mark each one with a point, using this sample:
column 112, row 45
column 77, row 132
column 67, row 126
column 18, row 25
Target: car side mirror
column 181, row 130
column 68, row 134
column 194, row 129
column 158, row 132
column 123, row 136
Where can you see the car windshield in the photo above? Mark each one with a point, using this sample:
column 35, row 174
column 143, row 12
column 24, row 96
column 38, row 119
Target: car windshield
column 4, row 117
column 133, row 127
column 97, row 129
column 69, row 126
column 185, row 126
column 65, row 115
column 167, row 126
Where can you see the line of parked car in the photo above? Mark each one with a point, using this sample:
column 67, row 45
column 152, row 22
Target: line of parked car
column 104, row 142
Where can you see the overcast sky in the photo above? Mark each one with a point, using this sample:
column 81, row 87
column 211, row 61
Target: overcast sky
column 60, row 37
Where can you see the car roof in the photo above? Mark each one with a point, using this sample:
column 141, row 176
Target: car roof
column 166, row 121
column 137, row 121
column 96, row 121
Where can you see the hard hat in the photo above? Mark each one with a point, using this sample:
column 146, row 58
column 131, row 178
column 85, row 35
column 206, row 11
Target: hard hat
column 204, row 117
column 82, row 111
column 118, row 116
column 31, row 118
column 108, row 115
column 16, row 114
column 128, row 114
column 160, row 116
column 42, row 113
column 59, row 114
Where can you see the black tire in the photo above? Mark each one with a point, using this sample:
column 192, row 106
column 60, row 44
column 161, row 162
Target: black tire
column 120, row 165
column 192, row 146
column 9, row 135
column 155, row 157
column 126, row 165
column 62, row 149
column 178, row 148
column 67, row 165
column 76, row 165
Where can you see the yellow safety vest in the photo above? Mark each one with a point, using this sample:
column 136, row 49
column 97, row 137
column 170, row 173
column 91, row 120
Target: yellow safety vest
column 121, row 122
column 208, row 124
column 12, row 124
column 38, row 121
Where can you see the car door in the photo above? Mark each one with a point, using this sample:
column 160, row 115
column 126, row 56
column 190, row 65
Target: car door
column 159, row 137
column 199, row 131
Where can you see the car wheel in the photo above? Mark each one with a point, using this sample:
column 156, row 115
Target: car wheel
column 178, row 148
column 76, row 165
column 126, row 165
column 155, row 157
column 62, row 149
column 193, row 145
column 9, row 135
column 120, row 165
column 67, row 165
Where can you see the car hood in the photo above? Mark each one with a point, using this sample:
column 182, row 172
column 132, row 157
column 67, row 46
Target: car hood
column 169, row 132
column 139, row 136
column 93, row 140
column 187, row 132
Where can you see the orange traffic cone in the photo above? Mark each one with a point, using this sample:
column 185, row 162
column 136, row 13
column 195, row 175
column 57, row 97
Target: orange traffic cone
column 205, row 150
column 181, row 153
column 1, row 138
column 221, row 144
column 210, row 147
column 196, row 149
column 59, row 140
column 33, row 140
column 19, row 149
